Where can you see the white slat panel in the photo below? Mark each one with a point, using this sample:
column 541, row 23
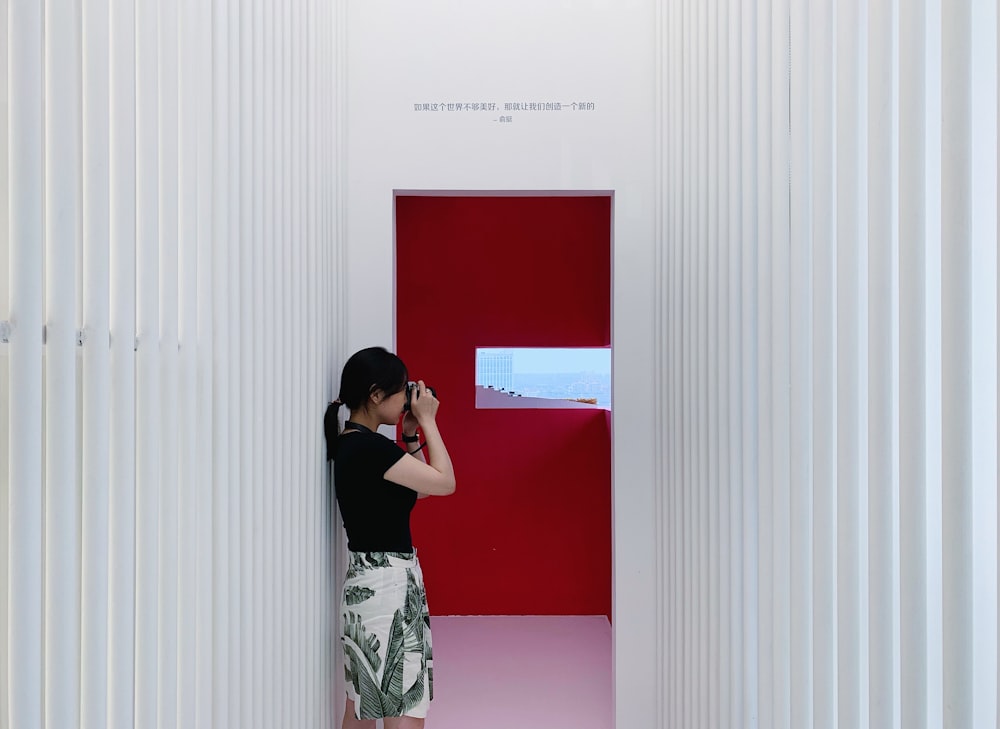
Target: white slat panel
column 147, row 358
column 689, row 689
column 801, row 375
column 852, row 429
column 883, row 474
column 169, row 122
column 956, row 276
column 96, row 381
column 711, row 371
column 780, row 369
column 932, row 234
column 280, row 374
column 5, row 263
column 732, row 412
column 260, row 479
column 121, row 495
column 248, row 234
column 25, row 607
column 912, row 367
column 765, row 434
column 188, row 484
column 234, row 374
column 61, row 496
column 983, row 230
column 723, row 430
column 269, row 468
column 311, row 594
column 822, row 89
column 204, row 485
column 4, row 214
column 668, row 225
column 297, row 607
column 749, row 364
column 699, row 423
column 219, row 585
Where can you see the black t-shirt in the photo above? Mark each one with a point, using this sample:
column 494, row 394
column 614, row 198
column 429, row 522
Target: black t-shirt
column 376, row 512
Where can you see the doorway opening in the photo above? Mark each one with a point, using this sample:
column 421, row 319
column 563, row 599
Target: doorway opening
column 527, row 536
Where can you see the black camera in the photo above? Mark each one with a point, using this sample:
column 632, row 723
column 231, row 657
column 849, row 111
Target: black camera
column 412, row 391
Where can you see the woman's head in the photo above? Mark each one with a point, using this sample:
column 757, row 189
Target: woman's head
column 370, row 376
column 373, row 380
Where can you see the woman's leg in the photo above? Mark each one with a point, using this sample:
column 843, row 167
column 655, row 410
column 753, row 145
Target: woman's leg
column 403, row 722
column 352, row 722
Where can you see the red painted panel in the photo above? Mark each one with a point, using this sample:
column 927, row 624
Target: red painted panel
column 528, row 532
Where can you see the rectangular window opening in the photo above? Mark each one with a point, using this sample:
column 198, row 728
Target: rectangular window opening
column 543, row 378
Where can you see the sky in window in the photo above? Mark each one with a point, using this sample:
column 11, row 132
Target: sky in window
column 554, row 361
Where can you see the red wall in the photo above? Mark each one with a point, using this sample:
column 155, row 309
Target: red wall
column 528, row 531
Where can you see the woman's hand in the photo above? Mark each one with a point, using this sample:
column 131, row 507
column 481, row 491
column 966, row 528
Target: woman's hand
column 436, row 475
column 410, row 423
column 423, row 405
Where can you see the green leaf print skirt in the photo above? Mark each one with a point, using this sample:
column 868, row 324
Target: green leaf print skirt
column 387, row 635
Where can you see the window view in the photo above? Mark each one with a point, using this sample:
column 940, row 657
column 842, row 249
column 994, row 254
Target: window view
column 543, row 378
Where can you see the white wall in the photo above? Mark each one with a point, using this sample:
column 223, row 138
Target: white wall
column 167, row 195
column 403, row 53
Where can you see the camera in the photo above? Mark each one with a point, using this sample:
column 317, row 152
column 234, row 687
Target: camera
column 412, row 391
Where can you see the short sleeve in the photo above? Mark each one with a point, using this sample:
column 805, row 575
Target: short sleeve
column 383, row 454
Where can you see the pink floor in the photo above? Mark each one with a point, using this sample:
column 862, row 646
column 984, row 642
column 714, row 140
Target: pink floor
column 521, row 673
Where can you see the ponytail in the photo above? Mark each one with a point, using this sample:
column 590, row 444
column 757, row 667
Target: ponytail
column 331, row 426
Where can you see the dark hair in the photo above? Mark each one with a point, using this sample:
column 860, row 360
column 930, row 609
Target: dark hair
column 367, row 370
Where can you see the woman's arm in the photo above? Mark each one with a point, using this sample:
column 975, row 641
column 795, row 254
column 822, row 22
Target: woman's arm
column 436, row 478
column 413, row 448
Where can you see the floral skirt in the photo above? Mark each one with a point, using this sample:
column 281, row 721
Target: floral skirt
column 387, row 636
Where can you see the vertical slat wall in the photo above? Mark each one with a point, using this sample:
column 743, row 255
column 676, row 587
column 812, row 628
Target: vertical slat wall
column 170, row 267
column 827, row 249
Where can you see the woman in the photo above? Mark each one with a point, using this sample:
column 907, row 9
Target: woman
column 387, row 641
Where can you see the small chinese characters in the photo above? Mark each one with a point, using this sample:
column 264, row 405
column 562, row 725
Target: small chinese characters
column 456, row 106
column 507, row 106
